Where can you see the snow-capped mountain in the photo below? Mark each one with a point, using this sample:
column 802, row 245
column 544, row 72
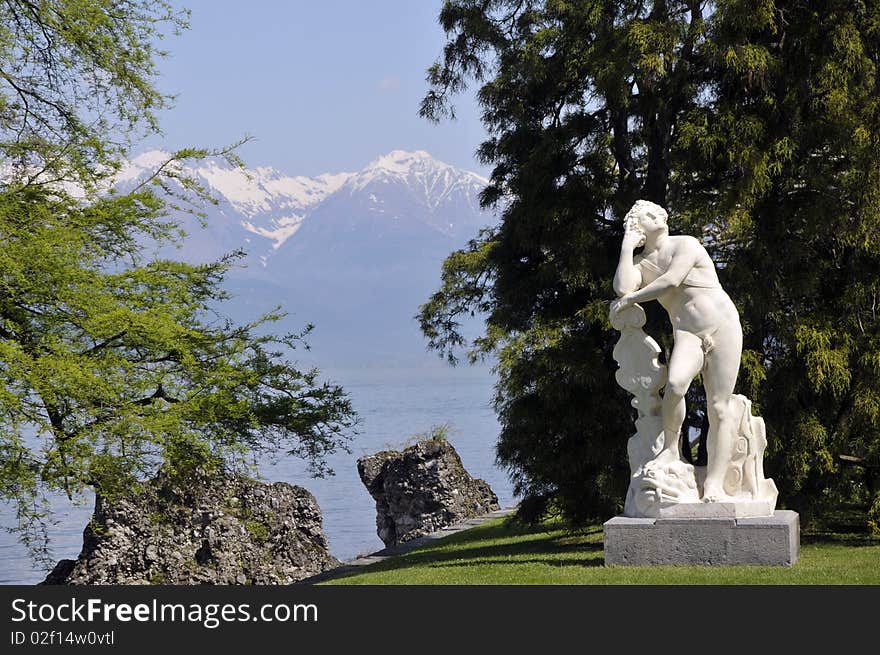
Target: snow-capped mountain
column 354, row 253
column 264, row 201
column 428, row 182
column 271, row 205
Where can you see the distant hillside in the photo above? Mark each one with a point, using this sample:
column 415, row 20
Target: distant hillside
column 353, row 253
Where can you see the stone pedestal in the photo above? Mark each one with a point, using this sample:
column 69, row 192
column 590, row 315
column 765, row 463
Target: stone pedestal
column 722, row 541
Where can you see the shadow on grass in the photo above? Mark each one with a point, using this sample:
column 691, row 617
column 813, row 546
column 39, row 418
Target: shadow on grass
column 507, row 542
column 838, row 539
column 843, row 526
column 556, row 562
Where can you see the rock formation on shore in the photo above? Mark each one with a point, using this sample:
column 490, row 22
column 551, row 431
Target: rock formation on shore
column 218, row 529
column 422, row 489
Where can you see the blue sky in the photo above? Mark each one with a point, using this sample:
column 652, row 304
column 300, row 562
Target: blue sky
column 321, row 86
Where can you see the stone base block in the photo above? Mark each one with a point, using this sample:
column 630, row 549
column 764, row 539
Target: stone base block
column 765, row 541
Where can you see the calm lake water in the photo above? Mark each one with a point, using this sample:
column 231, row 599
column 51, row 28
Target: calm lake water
column 394, row 405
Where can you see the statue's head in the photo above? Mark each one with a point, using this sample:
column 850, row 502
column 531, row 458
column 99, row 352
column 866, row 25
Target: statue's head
column 645, row 215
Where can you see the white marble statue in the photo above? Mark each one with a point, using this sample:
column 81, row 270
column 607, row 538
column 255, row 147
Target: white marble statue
column 678, row 273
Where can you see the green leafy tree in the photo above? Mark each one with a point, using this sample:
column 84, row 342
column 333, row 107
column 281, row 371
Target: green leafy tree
column 113, row 362
column 757, row 124
column 76, row 83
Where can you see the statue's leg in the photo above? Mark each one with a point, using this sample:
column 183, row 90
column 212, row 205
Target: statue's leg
column 719, row 378
column 684, row 365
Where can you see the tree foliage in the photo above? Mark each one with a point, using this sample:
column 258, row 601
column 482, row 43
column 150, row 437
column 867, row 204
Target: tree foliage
column 757, row 123
column 76, row 83
column 114, row 362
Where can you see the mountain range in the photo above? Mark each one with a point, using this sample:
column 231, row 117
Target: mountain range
column 354, row 253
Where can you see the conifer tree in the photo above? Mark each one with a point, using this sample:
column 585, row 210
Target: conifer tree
column 757, row 124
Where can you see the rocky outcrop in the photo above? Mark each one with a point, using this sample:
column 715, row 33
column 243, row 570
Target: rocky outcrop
column 422, row 489
column 218, row 529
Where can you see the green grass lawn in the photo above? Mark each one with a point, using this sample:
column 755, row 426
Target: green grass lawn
column 503, row 552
